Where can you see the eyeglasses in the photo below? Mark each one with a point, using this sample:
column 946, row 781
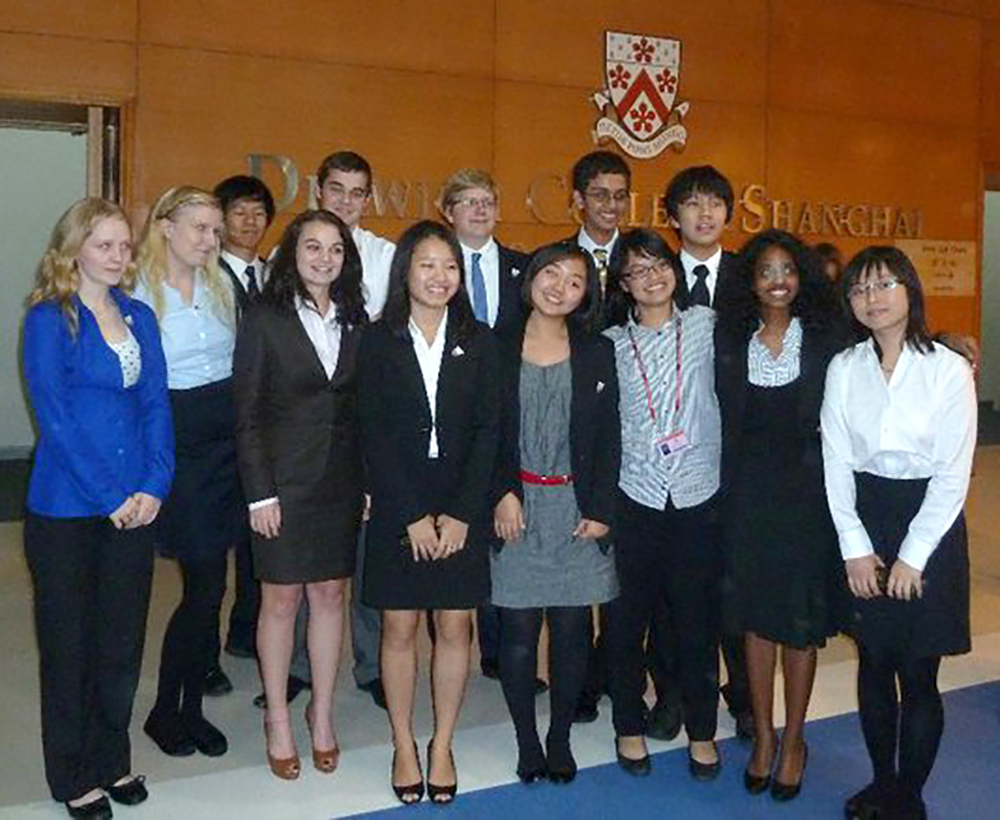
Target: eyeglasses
column 472, row 202
column 604, row 196
column 340, row 192
column 642, row 273
column 875, row 287
column 772, row 272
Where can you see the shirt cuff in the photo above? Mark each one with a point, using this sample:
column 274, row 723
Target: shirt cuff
column 855, row 543
column 915, row 552
column 264, row 502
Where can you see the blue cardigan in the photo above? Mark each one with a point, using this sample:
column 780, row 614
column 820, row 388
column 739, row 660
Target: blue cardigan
column 99, row 442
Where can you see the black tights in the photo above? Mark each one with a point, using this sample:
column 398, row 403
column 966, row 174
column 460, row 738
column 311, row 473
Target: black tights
column 568, row 653
column 189, row 643
column 916, row 710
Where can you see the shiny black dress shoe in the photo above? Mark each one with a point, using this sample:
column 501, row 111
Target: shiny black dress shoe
column 99, row 809
column 167, row 732
column 207, row 739
column 217, row 682
column 704, row 771
column 293, row 689
column 783, row 792
column 664, row 721
column 131, row 793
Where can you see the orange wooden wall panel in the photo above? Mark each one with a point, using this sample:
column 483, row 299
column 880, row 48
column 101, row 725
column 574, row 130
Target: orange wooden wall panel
column 990, row 124
column 969, row 8
column 95, row 19
column 441, row 36
column 874, row 59
column 67, row 69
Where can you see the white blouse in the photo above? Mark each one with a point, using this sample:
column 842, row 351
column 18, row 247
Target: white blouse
column 764, row 369
column 323, row 332
column 919, row 424
column 429, row 358
column 129, row 357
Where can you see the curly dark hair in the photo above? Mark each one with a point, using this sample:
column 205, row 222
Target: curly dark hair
column 815, row 304
column 397, row 303
column 618, row 303
column 284, row 283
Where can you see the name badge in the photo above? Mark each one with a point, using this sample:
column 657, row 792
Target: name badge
column 672, row 444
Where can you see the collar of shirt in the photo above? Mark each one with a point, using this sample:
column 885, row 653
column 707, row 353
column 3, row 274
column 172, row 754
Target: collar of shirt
column 764, row 369
column 429, row 359
column 490, row 266
column 323, row 331
column 712, row 263
column 239, row 267
column 584, row 240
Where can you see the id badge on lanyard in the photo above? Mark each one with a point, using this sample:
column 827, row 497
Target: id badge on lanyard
column 677, row 441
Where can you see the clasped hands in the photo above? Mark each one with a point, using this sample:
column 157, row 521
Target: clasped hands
column 905, row 583
column 508, row 522
column 434, row 538
column 138, row 510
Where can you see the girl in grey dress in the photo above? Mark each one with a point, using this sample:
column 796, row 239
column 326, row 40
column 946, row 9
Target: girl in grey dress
column 557, row 468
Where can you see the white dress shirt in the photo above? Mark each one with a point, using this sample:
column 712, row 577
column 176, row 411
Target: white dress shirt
column 429, row 358
column 197, row 340
column 584, row 240
column 712, row 263
column 919, row 424
column 323, row 331
column 239, row 267
column 489, row 263
column 764, row 369
column 376, row 257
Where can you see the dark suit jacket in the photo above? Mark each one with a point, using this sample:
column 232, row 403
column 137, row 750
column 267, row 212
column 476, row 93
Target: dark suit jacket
column 511, row 312
column 243, row 299
column 731, row 385
column 293, row 422
column 396, row 427
column 594, row 428
column 727, row 287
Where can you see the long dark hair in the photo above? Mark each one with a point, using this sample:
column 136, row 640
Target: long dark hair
column 587, row 315
column 867, row 262
column 284, row 283
column 397, row 304
column 642, row 242
column 815, row 304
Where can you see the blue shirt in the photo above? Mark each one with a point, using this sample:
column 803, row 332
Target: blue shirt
column 197, row 341
column 99, row 441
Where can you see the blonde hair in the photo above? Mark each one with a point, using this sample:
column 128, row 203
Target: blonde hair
column 152, row 252
column 57, row 279
column 462, row 181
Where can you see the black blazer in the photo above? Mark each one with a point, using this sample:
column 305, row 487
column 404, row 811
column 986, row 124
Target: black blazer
column 594, row 428
column 727, row 283
column 731, row 383
column 511, row 313
column 292, row 421
column 396, row 426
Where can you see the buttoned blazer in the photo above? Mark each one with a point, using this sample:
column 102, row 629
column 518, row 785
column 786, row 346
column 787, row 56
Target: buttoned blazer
column 99, row 441
column 396, row 427
column 594, row 427
column 511, row 312
column 293, row 422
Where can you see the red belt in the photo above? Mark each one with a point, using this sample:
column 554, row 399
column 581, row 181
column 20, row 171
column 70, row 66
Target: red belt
column 546, row 480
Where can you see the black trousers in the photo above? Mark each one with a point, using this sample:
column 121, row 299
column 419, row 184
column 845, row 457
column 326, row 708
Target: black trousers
column 91, row 594
column 669, row 558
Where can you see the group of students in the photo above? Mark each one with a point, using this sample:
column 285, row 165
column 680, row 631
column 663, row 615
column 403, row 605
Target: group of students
column 681, row 441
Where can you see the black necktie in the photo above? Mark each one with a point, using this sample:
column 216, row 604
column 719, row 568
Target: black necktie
column 252, row 289
column 699, row 293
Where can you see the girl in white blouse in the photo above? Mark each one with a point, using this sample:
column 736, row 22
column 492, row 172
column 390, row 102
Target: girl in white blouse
column 899, row 429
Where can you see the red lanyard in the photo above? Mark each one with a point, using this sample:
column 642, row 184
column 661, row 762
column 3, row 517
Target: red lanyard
column 645, row 376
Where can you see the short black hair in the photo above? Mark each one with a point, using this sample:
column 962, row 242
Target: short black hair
column 867, row 263
column 284, row 282
column 232, row 189
column 698, row 179
column 618, row 303
column 397, row 303
column 343, row 161
column 599, row 162
column 587, row 315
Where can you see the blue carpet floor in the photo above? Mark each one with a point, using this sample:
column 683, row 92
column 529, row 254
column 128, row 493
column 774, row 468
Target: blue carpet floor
column 965, row 783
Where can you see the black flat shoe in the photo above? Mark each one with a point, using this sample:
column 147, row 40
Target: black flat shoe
column 441, row 795
column 635, row 766
column 754, row 784
column 664, row 721
column 531, row 763
column 412, row 794
column 99, row 809
column 207, row 739
column 586, row 710
column 131, row 793
column 783, row 792
column 704, row 771
column 559, row 763
column 217, row 682
column 868, row 803
column 167, row 732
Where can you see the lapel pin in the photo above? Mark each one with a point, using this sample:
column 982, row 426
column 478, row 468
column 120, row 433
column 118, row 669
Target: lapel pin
column 600, row 386
column 457, row 351
column 515, row 272
column 128, row 319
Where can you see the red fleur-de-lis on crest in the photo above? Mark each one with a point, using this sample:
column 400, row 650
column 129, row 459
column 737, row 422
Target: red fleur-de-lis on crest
column 642, row 118
column 666, row 81
column 643, row 51
column 619, row 76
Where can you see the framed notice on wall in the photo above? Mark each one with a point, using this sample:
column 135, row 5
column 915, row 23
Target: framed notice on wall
column 946, row 268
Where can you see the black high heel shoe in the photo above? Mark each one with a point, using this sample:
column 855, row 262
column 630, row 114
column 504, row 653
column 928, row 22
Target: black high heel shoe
column 757, row 784
column 412, row 794
column 783, row 792
column 559, row 762
column 440, row 795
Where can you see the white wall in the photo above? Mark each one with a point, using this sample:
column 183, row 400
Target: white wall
column 989, row 373
column 41, row 174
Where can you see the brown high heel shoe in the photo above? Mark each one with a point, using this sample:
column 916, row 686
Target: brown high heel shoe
column 286, row 768
column 324, row 760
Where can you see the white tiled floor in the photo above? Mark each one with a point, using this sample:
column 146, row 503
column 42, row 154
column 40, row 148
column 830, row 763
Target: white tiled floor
column 238, row 785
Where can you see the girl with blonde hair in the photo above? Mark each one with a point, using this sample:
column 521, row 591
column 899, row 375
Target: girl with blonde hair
column 179, row 277
column 96, row 380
